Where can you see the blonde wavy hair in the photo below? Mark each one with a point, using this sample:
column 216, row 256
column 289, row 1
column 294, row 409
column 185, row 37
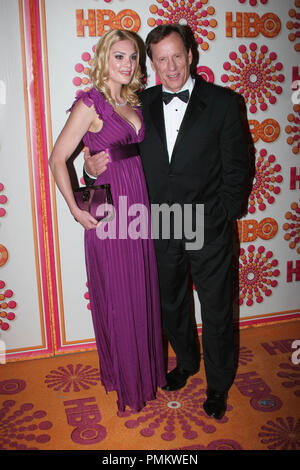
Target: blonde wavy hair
column 100, row 73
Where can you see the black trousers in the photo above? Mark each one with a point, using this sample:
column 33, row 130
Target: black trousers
column 211, row 271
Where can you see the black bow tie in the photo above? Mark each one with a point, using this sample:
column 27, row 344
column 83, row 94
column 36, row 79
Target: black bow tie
column 182, row 95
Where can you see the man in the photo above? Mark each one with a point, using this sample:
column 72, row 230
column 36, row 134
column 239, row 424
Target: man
column 194, row 152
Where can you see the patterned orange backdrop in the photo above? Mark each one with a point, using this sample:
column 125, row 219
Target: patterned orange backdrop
column 251, row 46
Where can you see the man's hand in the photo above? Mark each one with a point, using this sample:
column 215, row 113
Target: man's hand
column 95, row 165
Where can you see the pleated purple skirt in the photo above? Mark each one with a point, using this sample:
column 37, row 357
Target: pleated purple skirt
column 124, row 292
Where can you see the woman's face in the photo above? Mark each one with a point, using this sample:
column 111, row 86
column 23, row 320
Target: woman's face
column 121, row 62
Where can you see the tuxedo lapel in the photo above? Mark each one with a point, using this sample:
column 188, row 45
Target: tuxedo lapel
column 157, row 115
column 194, row 109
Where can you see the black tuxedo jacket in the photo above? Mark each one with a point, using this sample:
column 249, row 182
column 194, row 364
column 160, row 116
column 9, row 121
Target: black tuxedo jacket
column 209, row 163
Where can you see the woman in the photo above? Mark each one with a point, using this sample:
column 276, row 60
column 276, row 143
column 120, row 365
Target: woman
column 121, row 271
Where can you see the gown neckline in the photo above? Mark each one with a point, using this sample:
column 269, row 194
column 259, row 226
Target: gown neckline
column 123, row 119
column 132, row 126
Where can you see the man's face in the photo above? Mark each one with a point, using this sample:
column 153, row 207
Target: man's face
column 171, row 62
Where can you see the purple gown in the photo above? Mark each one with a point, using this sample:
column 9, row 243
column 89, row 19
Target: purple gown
column 122, row 274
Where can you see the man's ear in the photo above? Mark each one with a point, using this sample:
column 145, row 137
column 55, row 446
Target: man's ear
column 190, row 56
column 152, row 66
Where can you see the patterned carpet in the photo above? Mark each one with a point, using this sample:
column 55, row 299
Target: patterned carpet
column 58, row 403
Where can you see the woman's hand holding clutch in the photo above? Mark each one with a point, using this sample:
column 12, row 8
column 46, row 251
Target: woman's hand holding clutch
column 85, row 219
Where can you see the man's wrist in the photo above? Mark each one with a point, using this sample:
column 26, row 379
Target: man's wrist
column 88, row 174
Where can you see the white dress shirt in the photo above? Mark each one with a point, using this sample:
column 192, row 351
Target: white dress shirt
column 173, row 113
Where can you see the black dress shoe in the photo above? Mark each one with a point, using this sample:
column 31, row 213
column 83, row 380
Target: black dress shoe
column 215, row 405
column 176, row 379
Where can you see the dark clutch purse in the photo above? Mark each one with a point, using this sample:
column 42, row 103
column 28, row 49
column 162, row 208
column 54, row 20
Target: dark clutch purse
column 89, row 198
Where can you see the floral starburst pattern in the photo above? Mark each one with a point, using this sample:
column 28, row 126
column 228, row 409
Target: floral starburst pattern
column 254, row 3
column 5, row 306
column 22, row 425
column 254, row 75
column 281, row 434
column 193, row 13
column 293, row 25
column 72, row 378
column 266, row 182
column 257, row 270
column 83, row 70
column 292, row 227
column 293, row 129
column 3, row 200
column 291, row 375
column 183, row 407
